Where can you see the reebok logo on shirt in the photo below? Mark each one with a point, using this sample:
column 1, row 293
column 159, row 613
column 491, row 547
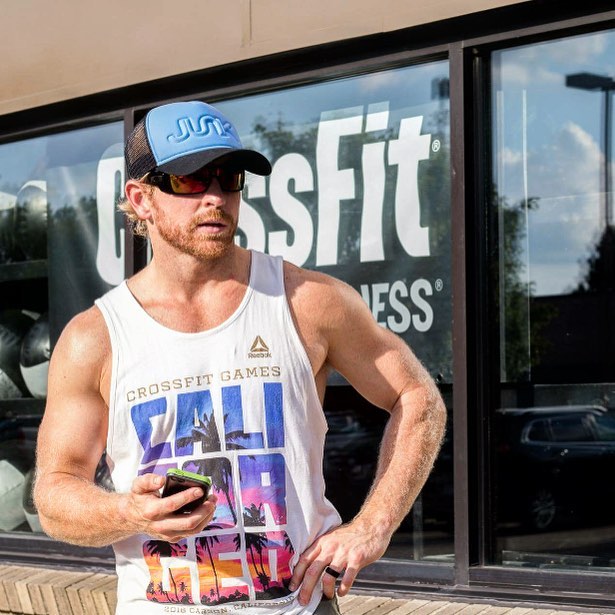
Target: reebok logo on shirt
column 259, row 349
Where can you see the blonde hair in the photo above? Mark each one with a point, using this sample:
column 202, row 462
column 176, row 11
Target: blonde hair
column 137, row 226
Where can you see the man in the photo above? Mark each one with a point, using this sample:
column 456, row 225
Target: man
column 214, row 359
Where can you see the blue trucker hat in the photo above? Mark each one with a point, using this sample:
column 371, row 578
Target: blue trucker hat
column 180, row 138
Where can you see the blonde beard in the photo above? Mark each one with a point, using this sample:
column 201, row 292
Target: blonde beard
column 188, row 241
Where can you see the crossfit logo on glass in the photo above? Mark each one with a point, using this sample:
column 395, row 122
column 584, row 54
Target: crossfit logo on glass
column 259, row 350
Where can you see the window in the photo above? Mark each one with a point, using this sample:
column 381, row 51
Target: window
column 61, row 245
column 570, row 430
column 604, row 428
column 538, row 432
column 553, row 218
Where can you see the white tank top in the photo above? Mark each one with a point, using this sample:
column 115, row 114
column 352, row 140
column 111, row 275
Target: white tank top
column 237, row 403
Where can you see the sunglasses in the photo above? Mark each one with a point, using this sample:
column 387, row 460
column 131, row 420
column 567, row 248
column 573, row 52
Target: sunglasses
column 230, row 180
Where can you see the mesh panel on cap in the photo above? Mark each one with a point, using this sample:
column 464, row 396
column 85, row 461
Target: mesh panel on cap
column 139, row 157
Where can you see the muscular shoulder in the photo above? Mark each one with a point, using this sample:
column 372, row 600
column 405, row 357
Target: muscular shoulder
column 319, row 300
column 84, row 343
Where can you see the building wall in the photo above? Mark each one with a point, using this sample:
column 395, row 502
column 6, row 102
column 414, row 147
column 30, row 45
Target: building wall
column 67, row 48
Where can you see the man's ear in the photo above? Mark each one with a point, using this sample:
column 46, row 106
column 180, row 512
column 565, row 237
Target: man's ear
column 139, row 199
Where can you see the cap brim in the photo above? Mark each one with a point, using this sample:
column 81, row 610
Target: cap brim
column 246, row 159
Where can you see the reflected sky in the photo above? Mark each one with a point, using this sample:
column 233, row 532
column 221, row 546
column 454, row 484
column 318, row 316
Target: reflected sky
column 19, row 162
column 548, row 144
column 31, row 159
column 299, row 108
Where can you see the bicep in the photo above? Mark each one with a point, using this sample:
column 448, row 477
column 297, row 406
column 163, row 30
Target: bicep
column 72, row 434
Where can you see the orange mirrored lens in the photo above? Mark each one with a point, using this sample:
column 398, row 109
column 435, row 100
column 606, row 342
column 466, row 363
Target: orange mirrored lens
column 230, row 181
column 188, row 184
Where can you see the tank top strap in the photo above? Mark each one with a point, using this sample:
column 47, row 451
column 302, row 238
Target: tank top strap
column 267, row 274
column 118, row 309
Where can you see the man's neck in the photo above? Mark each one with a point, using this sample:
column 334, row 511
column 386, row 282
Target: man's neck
column 186, row 275
column 192, row 298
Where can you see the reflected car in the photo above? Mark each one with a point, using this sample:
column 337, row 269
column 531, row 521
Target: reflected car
column 351, row 457
column 554, row 464
column 349, row 465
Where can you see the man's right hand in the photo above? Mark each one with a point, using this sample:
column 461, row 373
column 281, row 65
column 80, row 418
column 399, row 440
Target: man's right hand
column 155, row 516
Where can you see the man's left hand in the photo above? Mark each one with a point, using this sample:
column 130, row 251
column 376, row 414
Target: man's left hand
column 345, row 549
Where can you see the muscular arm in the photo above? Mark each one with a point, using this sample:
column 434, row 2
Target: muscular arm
column 71, row 441
column 387, row 373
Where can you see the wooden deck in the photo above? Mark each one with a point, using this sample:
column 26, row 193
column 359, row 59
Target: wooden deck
column 38, row 591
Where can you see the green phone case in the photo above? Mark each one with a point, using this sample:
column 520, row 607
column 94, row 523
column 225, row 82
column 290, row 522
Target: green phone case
column 189, row 475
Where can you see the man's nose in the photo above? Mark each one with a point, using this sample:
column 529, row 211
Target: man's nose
column 214, row 194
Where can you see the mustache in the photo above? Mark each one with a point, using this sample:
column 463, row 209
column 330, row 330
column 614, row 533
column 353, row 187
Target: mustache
column 213, row 218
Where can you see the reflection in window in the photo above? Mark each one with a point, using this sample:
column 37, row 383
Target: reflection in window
column 604, row 427
column 570, row 430
column 552, row 215
column 351, row 455
column 538, row 432
column 24, row 332
column 59, row 235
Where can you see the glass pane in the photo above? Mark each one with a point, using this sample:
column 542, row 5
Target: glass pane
column 553, row 217
column 570, row 430
column 57, row 221
column 604, row 428
column 538, row 432
column 360, row 189
column 24, row 330
column 85, row 178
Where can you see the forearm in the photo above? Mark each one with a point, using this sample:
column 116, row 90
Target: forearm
column 409, row 447
column 77, row 511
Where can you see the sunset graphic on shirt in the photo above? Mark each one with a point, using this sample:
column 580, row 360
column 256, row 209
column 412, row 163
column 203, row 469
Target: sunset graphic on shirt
column 244, row 554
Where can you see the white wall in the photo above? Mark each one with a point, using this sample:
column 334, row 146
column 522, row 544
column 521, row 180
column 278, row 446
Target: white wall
column 54, row 50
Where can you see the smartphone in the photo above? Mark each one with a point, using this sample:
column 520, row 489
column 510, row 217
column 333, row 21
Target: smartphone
column 178, row 480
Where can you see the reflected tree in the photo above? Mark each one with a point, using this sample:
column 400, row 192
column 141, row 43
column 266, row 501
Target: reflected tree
column 524, row 348
column 276, row 139
column 598, row 270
